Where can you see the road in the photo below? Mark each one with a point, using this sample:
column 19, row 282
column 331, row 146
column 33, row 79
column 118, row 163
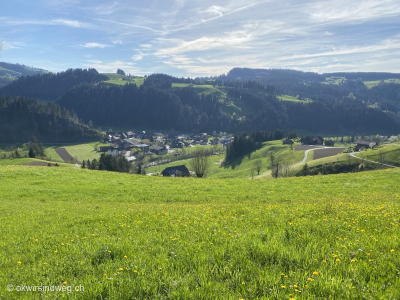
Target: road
column 295, row 165
column 353, row 154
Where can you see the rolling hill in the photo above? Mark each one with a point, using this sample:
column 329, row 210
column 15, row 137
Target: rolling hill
column 10, row 72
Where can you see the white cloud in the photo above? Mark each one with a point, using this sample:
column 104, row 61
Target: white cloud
column 112, row 66
column 8, row 45
column 343, row 10
column 53, row 22
column 95, row 45
column 138, row 56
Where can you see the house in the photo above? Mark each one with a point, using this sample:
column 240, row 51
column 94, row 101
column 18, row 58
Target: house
column 158, row 150
column 144, row 147
column 365, row 144
column 312, row 140
column 214, row 141
column 329, row 143
column 176, row 171
column 288, row 142
column 130, row 134
column 103, row 148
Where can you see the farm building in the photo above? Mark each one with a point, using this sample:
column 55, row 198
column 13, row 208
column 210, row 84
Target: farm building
column 288, row 142
column 312, row 140
column 365, row 144
column 176, row 171
column 329, row 143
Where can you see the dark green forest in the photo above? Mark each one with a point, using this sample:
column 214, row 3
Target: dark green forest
column 50, row 86
column 21, row 119
column 346, row 107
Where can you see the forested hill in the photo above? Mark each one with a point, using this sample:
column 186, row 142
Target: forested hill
column 10, row 72
column 50, row 86
column 184, row 110
column 145, row 107
column 22, row 118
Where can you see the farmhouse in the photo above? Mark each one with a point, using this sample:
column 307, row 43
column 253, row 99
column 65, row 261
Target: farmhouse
column 176, row 171
column 365, row 144
column 288, row 142
column 329, row 143
column 158, row 150
column 312, row 140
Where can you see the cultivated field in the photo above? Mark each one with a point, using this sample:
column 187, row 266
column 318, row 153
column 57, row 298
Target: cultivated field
column 83, row 151
column 124, row 236
column 65, row 156
column 321, row 153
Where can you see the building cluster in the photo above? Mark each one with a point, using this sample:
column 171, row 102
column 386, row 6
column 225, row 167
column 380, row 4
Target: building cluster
column 155, row 143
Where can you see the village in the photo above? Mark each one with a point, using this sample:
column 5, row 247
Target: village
column 130, row 144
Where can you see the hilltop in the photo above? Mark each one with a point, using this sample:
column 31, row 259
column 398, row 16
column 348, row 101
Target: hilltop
column 10, row 72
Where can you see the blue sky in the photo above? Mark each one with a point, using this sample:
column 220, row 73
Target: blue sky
column 201, row 38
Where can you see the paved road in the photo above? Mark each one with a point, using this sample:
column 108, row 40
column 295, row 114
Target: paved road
column 352, row 154
column 295, row 165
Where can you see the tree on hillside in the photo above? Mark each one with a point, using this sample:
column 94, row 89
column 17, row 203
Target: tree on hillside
column 258, row 165
column 121, row 72
column 200, row 164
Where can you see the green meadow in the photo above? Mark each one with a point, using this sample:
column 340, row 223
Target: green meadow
column 124, row 236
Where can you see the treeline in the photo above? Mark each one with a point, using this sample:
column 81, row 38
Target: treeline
column 337, row 168
column 246, row 143
column 22, row 118
column 50, row 86
column 108, row 163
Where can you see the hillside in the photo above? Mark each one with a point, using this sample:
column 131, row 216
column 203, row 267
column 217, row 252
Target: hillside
column 49, row 87
column 129, row 236
column 22, row 118
column 10, row 72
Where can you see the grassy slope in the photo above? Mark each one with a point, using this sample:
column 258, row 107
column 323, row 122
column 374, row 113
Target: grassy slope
column 241, row 167
column 371, row 84
column 391, row 154
column 123, row 236
column 116, row 79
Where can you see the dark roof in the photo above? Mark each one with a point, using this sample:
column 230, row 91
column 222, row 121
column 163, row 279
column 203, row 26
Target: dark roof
column 172, row 170
column 157, row 148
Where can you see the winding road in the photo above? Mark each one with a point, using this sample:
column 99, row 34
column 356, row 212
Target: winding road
column 353, row 154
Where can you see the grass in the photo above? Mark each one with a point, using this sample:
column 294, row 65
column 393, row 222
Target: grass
column 371, row 84
column 334, row 80
column 117, row 79
column 288, row 98
column 390, row 154
column 241, row 167
column 124, row 236
column 52, row 154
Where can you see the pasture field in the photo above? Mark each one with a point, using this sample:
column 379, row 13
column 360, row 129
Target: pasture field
column 389, row 154
column 371, row 84
column 241, row 167
column 334, row 80
column 288, row 98
column 117, row 79
column 124, row 236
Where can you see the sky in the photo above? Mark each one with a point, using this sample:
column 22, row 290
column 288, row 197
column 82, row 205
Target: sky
column 193, row 38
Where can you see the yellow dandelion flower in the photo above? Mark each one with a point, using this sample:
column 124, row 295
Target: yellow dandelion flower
column 120, row 269
column 64, row 282
column 353, row 260
column 315, row 273
column 243, row 282
column 19, row 262
column 392, row 250
column 134, row 271
column 125, row 256
column 337, row 260
column 282, row 286
column 310, row 279
column 295, row 286
column 45, row 263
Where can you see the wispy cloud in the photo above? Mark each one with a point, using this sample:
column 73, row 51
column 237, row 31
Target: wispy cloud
column 112, row 66
column 343, row 10
column 95, row 45
column 6, row 21
column 9, row 45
